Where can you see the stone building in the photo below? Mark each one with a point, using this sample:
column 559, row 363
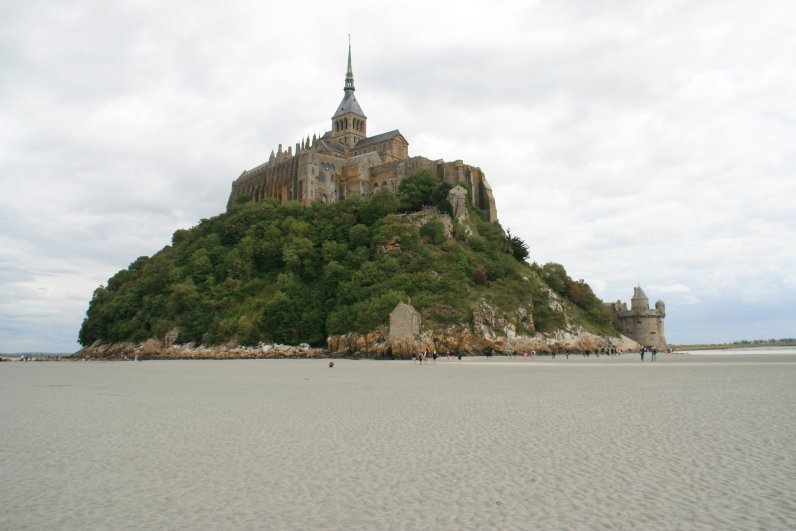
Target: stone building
column 346, row 161
column 640, row 323
column 404, row 321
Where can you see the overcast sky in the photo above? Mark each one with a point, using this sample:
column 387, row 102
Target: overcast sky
column 632, row 142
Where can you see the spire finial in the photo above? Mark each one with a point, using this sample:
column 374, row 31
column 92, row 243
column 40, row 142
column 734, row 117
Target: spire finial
column 349, row 75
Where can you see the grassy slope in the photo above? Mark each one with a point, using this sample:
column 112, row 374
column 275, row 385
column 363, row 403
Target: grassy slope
column 288, row 273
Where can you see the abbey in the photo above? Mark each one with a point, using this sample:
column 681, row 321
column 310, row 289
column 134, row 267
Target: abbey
column 345, row 161
column 640, row 323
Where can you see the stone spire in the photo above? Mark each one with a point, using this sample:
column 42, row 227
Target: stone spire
column 349, row 103
column 349, row 123
column 349, row 75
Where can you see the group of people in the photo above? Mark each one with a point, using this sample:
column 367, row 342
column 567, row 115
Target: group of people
column 652, row 350
column 605, row 351
column 424, row 356
column 431, row 357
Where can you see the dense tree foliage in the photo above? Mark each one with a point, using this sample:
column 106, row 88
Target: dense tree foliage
column 290, row 273
column 578, row 292
column 519, row 249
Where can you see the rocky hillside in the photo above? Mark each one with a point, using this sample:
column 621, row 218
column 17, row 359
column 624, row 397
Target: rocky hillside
column 328, row 276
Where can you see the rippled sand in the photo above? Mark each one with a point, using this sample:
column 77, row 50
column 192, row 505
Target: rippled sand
column 687, row 442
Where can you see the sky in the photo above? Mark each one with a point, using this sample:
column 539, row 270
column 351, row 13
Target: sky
column 636, row 143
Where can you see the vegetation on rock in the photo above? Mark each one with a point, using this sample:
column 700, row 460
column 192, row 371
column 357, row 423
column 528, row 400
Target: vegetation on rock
column 292, row 274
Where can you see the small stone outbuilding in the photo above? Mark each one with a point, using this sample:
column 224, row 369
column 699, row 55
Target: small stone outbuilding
column 457, row 197
column 404, row 321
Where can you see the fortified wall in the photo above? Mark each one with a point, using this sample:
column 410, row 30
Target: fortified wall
column 640, row 323
column 345, row 161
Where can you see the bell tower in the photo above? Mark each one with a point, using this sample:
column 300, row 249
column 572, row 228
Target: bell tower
column 349, row 123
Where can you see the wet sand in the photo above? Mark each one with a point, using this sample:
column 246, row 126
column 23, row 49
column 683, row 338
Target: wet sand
column 686, row 442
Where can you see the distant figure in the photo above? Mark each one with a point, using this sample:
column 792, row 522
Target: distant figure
column 459, row 355
column 414, row 358
column 553, row 353
column 434, row 357
column 642, row 353
column 331, row 364
column 654, row 353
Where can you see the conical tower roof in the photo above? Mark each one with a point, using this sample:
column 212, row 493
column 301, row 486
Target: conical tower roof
column 638, row 293
column 349, row 103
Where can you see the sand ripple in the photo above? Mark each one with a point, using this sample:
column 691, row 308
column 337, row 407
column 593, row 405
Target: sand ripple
column 293, row 444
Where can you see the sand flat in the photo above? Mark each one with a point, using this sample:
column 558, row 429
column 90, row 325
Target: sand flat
column 687, row 442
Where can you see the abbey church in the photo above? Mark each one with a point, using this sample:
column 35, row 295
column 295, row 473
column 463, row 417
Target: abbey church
column 345, row 161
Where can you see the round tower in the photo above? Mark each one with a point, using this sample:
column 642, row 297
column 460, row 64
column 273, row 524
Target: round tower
column 349, row 123
column 639, row 302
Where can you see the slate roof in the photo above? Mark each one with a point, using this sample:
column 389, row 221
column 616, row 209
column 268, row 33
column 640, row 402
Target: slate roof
column 379, row 138
column 349, row 104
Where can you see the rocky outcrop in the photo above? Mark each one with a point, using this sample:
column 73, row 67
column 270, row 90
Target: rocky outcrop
column 154, row 349
column 491, row 330
column 373, row 345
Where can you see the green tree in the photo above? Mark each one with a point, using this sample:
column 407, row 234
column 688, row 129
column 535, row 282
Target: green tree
column 359, row 236
column 433, row 232
column 519, row 249
column 417, row 190
column 381, row 204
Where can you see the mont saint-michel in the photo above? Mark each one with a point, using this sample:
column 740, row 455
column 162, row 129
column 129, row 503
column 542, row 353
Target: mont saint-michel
column 346, row 245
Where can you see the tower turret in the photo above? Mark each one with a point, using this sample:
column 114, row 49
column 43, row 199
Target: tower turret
column 349, row 123
column 639, row 301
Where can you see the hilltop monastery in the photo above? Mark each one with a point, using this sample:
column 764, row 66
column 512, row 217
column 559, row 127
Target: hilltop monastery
column 346, row 161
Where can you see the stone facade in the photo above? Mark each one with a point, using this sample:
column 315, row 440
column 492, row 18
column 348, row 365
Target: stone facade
column 345, row 161
column 640, row 323
column 404, row 322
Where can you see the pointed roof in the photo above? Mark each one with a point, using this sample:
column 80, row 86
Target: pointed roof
column 638, row 293
column 404, row 306
column 349, row 103
column 349, row 75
